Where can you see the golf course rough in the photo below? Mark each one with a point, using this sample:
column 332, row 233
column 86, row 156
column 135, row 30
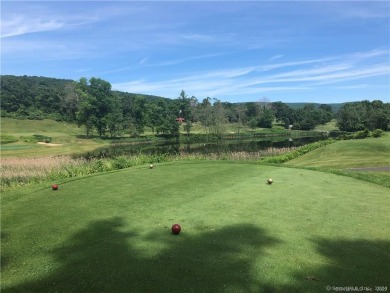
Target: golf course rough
column 108, row 233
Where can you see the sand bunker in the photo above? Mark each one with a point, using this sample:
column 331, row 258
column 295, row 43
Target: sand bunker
column 50, row 144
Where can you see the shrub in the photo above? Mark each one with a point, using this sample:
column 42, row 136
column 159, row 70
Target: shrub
column 36, row 138
column 6, row 138
column 100, row 166
column 377, row 133
column 120, row 162
column 362, row 134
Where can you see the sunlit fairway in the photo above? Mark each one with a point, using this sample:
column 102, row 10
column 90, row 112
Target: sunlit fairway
column 67, row 138
column 369, row 152
column 112, row 232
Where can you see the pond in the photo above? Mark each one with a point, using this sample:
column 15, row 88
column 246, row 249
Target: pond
column 221, row 146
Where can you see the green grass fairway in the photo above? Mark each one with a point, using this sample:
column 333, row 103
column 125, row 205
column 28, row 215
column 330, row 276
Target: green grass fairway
column 67, row 138
column 369, row 152
column 111, row 232
column 366, row 159
column 329, row 126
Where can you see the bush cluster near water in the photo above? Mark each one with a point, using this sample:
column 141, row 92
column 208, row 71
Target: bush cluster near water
column 363, row 134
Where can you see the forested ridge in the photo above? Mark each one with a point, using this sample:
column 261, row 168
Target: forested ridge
column 93, row 104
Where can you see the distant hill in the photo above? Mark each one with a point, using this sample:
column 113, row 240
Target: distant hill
column 38, row 97
column 47, row 95
column 335, row 106
column 34, row 86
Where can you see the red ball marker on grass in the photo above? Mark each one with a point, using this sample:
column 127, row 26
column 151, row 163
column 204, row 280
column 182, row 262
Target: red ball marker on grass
column 176, row 229
column 54, row 186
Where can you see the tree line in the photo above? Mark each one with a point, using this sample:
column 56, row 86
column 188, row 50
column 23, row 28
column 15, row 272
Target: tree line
column 93, row 104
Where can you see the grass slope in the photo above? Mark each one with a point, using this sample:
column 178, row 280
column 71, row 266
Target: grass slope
column 369, row 152
column 66, row 137
column 111, row 232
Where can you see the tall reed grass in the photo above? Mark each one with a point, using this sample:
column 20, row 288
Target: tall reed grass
column 17, row 171
column 22, row 171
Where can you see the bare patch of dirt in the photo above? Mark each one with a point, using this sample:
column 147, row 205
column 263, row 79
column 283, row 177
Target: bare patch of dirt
column 50, row 144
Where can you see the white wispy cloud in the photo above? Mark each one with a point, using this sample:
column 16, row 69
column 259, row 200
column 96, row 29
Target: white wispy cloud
column 276, row 57
column 35, row 19
column 15, row 25
column 363, row 11
column 45, row 50
column 238, row 81
column 197, row 37
column 369, row 54
column 143, row 60
column 182, row 60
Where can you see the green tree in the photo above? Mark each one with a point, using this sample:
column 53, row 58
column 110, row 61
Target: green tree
column 69, row 102
column 188, row 127
column 97, row 105
column 204, row 114
column 86, row 113
column 241, row 114
column 138, row 113
column 284, row 113
column 101, row 90
column 352, row 117
column 184, row 106
column 153, row 115
column 253, row 110
column 364, row 115
column 266, row 118
column 378, row 115
column 114, row 119
column 218, row 117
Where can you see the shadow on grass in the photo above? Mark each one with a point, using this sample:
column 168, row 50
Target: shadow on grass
column 360, row 264
column 355, row 263
column 105, row 258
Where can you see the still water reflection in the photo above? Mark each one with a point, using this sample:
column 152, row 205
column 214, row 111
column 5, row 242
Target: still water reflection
column 174, row 147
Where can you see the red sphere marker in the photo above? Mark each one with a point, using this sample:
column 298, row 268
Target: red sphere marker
column 176, row 229
column 54, row 186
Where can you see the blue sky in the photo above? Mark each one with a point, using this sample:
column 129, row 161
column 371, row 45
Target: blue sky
column 235, row 51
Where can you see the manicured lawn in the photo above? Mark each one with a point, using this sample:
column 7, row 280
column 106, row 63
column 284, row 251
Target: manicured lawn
column 369, row 152
column 366, row 159
column 329, row 126
column 111, row 232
